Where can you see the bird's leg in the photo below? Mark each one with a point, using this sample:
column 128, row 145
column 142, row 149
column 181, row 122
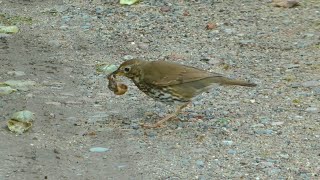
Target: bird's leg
column 168, row 117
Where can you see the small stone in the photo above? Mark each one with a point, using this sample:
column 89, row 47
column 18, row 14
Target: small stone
column 284, row 156
column 265, row 131
column 246, row 42
column 9, row 29
column 311, row 83
column 6, row 90
column 135, row 126
column 61, row 8
column 274, row 171
column 3, row 35
column 99, row 149
column 309, row 35
column 98, row 117
column 295, row 85
column 232, row 151
column 128, row 2
column 16, row 73
column 143, row 46
column 316, row 91
column 186, row 13
column 267, row 164
column 214, row 61
column 185, row 162
column 312, row 110
column 66, row 18
column 99, row 10
column 229, row 31
column 277, row 123
column 252, row 101
column 86, row 26
column 229, row 143
column 292, row 66
column 121, row 166
column 152, row 134
column 64, row 27
column 200, row 163
column 73, row 102
column 264, row 120
column 285, row 3
column 211, row 26
column 54, row 43
column 299, row 118
column 127, row 57
column 257, row 125
column 165, row 9
column 85, row 17
column 20, row 84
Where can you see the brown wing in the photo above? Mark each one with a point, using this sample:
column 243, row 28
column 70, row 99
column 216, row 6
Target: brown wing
column 162, row 73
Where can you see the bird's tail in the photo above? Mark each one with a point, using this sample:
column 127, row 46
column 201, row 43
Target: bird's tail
column 228, row 81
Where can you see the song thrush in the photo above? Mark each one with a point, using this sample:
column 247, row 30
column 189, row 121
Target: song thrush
column 172, row 83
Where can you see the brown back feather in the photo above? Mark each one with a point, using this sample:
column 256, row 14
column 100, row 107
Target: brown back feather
column 162, row 73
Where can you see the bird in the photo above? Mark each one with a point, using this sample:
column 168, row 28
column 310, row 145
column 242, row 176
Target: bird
column 172, row 83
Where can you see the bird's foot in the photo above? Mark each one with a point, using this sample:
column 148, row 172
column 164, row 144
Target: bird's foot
column 159, row 124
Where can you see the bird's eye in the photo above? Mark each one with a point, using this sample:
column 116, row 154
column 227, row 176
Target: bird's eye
column 126, row 69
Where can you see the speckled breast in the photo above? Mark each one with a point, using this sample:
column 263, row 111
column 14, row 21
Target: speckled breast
column 161, row 94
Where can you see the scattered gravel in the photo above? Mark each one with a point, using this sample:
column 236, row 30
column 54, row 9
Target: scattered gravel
column 267, row 132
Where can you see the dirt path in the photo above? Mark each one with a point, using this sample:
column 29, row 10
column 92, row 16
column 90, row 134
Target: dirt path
column 268, row 132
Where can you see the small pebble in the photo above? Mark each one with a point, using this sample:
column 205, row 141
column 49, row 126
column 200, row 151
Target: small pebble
column 201, row 177
column 266, row 131
column 3, row 35
column 99, row 10
column 295, row 85
column 200, row 163
column 232, row 151
column 274, row 171
column 185, row 162
column 312, row 110
column 277, row 123
column 127, row 57
column 165, row 9
column 135, row 126
column 16, row 73
column 292, row 66
column 121, row 166
column 64, row 27
column 257, row 125
column 264, row 120
column 284, row 156
column 211, row 26
column 229, row 31
column 61, row 8
column 143, row 46
column 229, row 143
column 152, row 134
column 86, row 26
column 214, row 61
column 66, row 18
column 99, row 149
column 311, row 83
column 316, row 91
column 54, row 43
column 267, row 164
column 246, row 42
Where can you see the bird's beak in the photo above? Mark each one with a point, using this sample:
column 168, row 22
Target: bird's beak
column 118, row 73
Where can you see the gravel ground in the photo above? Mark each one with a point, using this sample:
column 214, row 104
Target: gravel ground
column 271, row 131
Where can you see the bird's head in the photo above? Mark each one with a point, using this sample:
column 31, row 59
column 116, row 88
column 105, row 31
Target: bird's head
column 129, row 69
